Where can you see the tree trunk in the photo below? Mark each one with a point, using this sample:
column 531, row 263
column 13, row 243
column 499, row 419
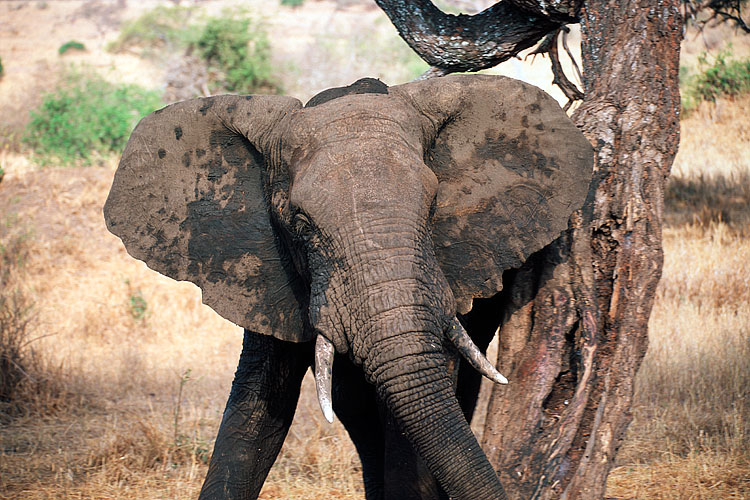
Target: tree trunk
column 576, row 315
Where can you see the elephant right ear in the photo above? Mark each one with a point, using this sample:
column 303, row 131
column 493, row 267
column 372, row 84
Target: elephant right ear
column 188, row 200
column 512, row 168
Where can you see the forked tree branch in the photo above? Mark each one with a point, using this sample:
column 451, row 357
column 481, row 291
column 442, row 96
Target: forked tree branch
column 549, row 46
column 451, row 43
column 721, row 11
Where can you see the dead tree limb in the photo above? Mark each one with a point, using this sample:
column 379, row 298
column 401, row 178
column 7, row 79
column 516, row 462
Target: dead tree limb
column 549, row 46
column 466, row 43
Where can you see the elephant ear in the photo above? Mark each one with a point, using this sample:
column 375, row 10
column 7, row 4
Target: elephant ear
column 512, row 169
column 188, row 200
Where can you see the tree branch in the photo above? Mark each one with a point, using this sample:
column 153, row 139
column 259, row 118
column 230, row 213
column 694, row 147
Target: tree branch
column 721, row 11
column 564, row 11
column 466, row 43
column 549, row 46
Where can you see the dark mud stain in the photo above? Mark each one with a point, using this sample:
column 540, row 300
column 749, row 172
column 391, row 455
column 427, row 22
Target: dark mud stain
column 515, row 154
column 220, row 234
column 208, row 104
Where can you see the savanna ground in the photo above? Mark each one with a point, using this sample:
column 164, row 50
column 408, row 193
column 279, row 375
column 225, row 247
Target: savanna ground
column 125, row 372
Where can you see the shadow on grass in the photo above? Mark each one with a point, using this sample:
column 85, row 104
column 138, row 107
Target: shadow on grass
column 708, row 199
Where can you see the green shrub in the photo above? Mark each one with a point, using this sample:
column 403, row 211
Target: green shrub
column 1, row 67
column 240, row 50
column 137, row 305
column 157, row 28
column 85, row 118
column 70, row 45
column 291, row 3
column 232, row 45
column 723, row 77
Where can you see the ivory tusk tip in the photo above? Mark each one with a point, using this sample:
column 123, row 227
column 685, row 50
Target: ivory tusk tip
column 499, row 378
column 328, row 413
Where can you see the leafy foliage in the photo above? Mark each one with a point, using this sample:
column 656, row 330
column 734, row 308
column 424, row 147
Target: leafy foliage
column 723, row 77
column 86, row 117
column 239, row 49
column 234, row 47
column 137, row 305
column 70, row 45
column 292, row 3
column 158, row 28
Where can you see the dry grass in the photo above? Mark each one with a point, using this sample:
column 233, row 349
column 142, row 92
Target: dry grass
column 138, row 394
column 690, row 437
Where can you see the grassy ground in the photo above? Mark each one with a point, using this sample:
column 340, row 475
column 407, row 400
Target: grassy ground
column 691, row 430
column 126, row 373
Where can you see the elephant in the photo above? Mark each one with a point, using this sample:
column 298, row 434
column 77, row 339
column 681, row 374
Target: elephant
column 362, row 235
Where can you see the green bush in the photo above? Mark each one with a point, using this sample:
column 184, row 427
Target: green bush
column 157, row 28
column 240, row 50
column 1, row 68
column 232, row 45
column 85, row 118
column 723, row 77
column 70, row 45
column 291, row 3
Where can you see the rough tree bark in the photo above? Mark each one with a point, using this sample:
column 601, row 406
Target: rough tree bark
column 575, row 317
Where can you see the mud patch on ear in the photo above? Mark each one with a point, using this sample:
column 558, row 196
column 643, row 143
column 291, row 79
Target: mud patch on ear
column 516, row 153
column 188, row 199
column 361, row 86
column 512, row 168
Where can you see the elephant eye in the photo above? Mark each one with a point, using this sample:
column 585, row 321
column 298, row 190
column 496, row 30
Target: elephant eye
column 301, row 224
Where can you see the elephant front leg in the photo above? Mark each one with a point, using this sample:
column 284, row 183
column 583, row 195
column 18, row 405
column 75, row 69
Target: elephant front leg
column 259, row 412
column 355, row 404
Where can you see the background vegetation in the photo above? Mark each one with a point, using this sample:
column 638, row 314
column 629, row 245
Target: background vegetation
column 113, row 378
column 85, row 118
column 233, row 46
column 717, row 76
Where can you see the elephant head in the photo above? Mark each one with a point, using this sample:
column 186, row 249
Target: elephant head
column 366, row 220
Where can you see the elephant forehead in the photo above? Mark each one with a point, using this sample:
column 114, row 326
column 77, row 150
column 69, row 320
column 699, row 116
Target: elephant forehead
column 354, row 121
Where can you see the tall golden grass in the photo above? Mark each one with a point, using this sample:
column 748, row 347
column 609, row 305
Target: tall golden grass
column 690, row 437
column 112, row 425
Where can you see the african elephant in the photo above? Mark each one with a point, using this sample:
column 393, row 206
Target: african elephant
column 358, row 225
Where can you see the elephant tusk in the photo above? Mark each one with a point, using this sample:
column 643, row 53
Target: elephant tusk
column 471, row 352
column 323, row 368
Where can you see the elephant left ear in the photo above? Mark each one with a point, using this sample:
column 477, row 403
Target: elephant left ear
column 512, row 169
column 189, row 200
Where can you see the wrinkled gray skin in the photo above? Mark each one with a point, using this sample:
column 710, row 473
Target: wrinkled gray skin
column 371, row 217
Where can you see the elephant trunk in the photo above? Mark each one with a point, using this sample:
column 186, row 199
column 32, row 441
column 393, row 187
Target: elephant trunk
column 416, row 387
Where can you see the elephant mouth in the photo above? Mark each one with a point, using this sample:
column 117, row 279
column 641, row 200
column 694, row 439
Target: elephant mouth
column 455, row 333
